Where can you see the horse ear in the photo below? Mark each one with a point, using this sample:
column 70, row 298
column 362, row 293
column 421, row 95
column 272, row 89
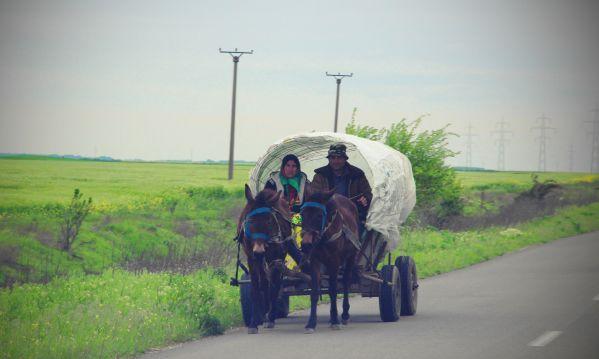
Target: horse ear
column 328, row 194
column 248, row 194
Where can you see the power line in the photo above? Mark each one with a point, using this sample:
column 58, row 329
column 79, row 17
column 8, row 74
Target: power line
column 469, row 135
column 543, row 127
column 501, row 141
column 235, row 55
column 595, row 146
column 338, row 77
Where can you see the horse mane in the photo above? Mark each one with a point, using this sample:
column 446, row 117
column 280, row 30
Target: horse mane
column 319, row 197
column 265, row 198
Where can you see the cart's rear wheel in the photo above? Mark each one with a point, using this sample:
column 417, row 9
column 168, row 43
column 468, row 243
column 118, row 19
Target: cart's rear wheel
column 245, row 296
column 409, row 284
column 390, row 294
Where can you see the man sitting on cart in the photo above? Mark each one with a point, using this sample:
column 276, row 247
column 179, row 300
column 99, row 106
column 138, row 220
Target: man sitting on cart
column 348, row 180
column 291, row 181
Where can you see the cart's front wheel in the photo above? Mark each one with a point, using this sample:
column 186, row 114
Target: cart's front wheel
column 390, row 294
column 409, row 284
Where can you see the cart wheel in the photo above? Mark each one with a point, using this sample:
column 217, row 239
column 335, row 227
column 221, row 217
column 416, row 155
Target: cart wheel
column 245, row 296
column 390, row 295
column 409, row 284
column 282, row 306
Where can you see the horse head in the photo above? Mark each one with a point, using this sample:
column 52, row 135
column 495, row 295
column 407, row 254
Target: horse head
column 263, row 225
column 314, row 217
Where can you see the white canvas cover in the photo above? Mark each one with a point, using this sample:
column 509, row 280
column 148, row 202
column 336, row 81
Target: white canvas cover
column 388, row 171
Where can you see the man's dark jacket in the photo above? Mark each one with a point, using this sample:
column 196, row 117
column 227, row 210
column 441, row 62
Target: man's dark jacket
column 358, row 184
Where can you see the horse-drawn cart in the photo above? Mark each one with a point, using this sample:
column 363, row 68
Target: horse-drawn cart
column 389, row 173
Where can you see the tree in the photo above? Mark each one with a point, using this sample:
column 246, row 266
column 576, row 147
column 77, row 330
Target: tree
column 438, row 192
column 72, row 217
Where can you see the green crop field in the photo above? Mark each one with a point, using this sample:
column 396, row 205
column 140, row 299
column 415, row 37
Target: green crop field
column 26, row 182
column 519, row 180
column 151, row 262
column 39, row 181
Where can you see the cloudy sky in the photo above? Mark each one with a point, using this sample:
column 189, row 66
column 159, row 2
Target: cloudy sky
column 144, row 79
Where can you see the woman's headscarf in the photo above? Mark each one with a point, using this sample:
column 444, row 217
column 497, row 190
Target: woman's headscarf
column 294, row 181
column 293, row 158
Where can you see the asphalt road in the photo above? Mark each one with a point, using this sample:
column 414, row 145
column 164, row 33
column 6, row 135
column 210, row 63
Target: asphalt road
column 540, row 302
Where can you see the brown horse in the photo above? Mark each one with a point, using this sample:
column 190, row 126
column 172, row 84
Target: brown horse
column 328, row 220
column 264, row 228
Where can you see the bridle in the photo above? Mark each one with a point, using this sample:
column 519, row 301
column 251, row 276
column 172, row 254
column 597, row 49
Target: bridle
column 320, row 206
column 267, row 237
column 323, row 228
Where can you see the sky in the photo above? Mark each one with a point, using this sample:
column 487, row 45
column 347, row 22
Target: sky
column 145, row 79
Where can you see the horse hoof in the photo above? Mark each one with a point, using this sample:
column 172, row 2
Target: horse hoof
column 252, row 330
column 270, row 325
column 309, row 331
column 335, row 327
column 344, row 321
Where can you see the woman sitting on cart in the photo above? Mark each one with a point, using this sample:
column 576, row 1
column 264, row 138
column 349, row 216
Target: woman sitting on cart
column 291, row 181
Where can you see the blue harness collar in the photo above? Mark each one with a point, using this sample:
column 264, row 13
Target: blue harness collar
column 320, row 206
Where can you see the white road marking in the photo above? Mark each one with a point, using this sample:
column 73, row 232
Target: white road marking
column 544, row 339
column 596, row 297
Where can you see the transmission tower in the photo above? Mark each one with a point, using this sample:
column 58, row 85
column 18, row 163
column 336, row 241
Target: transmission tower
column 543, row 127
column 501, row 141
column 595, row 148
column 469, row 135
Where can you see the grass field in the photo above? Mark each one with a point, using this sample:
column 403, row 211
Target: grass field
column 39, row 182
column 25, row 182
column 119, row 313
column 102, row 301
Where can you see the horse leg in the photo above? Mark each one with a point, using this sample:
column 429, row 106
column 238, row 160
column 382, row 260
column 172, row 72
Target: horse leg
column 333, row 271
column 256, row 301
column 314, row 294
column 275, row 287
column 347, row 274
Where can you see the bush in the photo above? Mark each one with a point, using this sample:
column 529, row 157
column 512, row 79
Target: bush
column 71, row 219
column 438, row 192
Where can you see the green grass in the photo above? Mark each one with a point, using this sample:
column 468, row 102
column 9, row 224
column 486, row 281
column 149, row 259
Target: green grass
column 26, row 182
column 113, row 315
column 191, row 223
column 120, row 313
column 511, row 181
column 487, row 192
column 438, row 252
column 47, row 181
column 154, row 213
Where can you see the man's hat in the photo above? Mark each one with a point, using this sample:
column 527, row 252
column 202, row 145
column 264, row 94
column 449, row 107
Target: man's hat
column 337, row 149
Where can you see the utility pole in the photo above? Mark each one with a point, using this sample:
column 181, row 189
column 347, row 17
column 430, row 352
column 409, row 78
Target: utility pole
column 469, row 136
column 543, row 127
column 338, row 77
column 502, row 132
column 235, row 55
column 595, row 148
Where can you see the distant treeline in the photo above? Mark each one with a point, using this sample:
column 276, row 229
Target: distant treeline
column 472, row 169
column 26, row 156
